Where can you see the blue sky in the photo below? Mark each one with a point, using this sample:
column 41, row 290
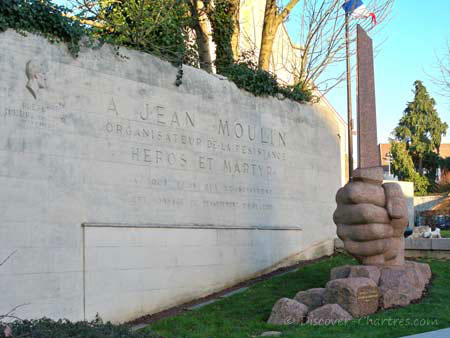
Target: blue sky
column 418, row 30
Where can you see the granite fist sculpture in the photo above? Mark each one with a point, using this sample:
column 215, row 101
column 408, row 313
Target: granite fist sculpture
column 371, row 218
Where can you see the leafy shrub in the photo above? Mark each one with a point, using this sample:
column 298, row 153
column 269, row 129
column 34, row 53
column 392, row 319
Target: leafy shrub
column 44, row 18
column 159, row 27
column 261, row 83
column 421, row 184
column 45, row 328
column 403, row 167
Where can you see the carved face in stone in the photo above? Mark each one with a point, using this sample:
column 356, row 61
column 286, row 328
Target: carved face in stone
column 35, row 72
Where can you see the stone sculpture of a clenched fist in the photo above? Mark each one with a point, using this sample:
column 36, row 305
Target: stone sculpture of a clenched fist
column 371, row 218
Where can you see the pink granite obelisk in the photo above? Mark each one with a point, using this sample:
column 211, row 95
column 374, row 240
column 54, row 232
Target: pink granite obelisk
column 368, row 154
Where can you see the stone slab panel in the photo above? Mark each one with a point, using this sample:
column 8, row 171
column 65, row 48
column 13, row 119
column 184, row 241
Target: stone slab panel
column 408, row 192
column 440, row 244
column 418, row 243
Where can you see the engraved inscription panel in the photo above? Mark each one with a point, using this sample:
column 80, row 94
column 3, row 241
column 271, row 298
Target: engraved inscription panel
column 118, row 142
column 367, row 295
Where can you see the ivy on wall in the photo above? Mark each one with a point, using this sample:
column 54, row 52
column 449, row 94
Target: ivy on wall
column 222, row 29
column 164, row 36
column 245, row 73
column 261, row 83
column 44, row 18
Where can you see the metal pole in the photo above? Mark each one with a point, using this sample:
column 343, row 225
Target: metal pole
column 349, row 99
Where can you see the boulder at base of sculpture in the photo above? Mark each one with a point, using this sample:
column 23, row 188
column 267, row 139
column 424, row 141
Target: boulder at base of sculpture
column 329, row 314
column 357, row 295
column 399, row 285
column 367, row 271
column 312, row 298
column 287, row 311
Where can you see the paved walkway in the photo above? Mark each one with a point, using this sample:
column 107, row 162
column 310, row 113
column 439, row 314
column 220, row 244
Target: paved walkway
column 444, row 333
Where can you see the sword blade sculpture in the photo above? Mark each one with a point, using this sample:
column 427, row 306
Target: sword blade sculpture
column 371, row 216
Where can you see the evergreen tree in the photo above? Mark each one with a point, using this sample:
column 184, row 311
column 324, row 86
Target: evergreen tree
column 420, row 127
column 402, row 166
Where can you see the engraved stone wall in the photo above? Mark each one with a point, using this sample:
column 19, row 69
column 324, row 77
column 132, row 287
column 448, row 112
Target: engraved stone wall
column 183, row 190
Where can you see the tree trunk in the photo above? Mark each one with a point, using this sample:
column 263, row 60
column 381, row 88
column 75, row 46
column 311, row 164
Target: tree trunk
column 270, row 27
column 201, row 34
column 203, row 46
column 235, row 14
column 420, row 166
column 272, row 20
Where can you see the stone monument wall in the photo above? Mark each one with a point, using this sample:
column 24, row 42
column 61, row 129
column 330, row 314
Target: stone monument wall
column 123, row 194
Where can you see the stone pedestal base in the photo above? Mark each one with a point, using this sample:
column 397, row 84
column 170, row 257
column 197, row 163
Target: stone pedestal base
column 354, row 291
column 401, row 285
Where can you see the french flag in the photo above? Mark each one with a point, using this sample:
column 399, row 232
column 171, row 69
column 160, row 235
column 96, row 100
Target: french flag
column 358, row 10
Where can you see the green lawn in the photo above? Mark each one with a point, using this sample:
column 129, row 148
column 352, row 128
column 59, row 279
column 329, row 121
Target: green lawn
column 245, row 314
column 445, row 233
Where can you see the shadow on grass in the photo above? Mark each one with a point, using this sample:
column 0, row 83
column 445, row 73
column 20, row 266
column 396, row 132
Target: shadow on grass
column 245, row 314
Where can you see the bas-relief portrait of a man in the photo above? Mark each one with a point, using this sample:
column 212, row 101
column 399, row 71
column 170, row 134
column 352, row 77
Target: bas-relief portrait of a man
column 35, row 71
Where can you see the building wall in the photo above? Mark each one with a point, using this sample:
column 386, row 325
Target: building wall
column 285, row 55
column 408, row 192
column 285, row 59
column 125, row 195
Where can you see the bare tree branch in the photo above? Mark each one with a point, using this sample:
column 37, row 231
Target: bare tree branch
column 289, row 7
column 10, row 314
column 322, row 41
column 272, row 21
column 9, row 256
column 442, row 80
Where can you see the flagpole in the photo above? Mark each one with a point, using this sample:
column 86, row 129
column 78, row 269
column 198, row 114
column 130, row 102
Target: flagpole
column 349, row 98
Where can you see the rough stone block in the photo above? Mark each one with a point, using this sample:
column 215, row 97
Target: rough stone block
column 312, row 298
column 357, row 295
column 287, row 311
column 422, row 269
column 328, row 314
column 340, row 272
column 399, row 285
column 395, row 287
column 367, row 271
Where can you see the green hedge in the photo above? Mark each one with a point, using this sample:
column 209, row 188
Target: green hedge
column 47, row 328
